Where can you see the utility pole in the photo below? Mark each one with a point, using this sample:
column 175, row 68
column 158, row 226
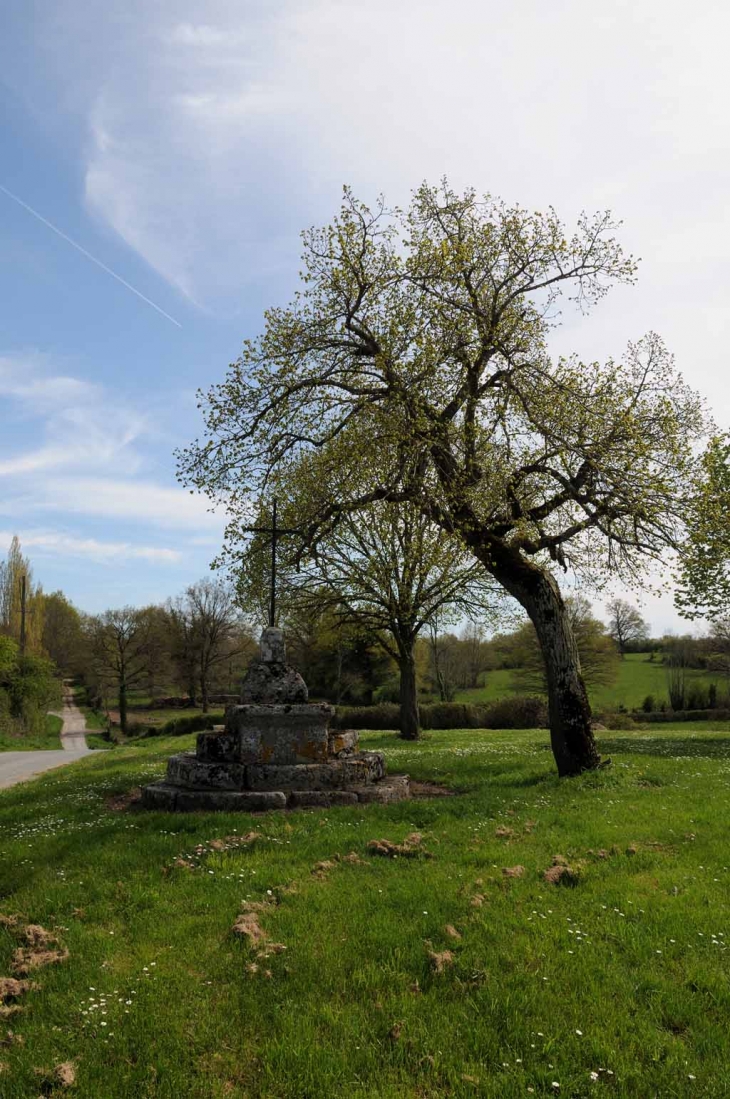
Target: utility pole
column 22, row 614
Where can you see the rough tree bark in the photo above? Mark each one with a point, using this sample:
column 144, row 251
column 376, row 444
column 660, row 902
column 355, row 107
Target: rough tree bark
column 571, row 734
column 410, row 724
column 123, row 705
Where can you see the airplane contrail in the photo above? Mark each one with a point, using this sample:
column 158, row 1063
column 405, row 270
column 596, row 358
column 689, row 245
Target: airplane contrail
column 88, row 255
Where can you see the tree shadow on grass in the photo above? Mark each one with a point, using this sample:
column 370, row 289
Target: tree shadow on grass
column 671, row 747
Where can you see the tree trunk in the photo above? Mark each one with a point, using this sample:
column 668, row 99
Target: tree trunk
column 123, row 705
column 410, row 724
column 204, row 694
column 571, row 735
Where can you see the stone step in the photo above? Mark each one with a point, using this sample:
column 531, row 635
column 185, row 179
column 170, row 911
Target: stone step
column 357, row 769
column 165, row 796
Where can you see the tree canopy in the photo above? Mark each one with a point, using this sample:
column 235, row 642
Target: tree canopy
column 704, row 575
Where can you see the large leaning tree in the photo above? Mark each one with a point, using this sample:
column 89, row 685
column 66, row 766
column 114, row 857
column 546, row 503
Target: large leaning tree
column 414, row 365
column 389, row 570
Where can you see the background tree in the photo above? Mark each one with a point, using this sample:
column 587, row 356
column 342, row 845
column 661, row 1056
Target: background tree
column 63, row 636
column 120, row 642
column 21, row 601
column 703, row 589
column 414, row 365
column 625, row 624
column 216, row 631
column 389, row 570
column 596, row 651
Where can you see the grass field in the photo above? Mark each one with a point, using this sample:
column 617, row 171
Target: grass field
column 622, row 975
column 637, row 678
column 49, row 738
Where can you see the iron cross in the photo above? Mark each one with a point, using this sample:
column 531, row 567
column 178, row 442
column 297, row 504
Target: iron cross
column 274, row 531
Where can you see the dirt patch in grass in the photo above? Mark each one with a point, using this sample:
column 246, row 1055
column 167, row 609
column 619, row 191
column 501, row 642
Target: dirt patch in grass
column 561, row 873
column 430, row 790
column 26, row 960
column 513, row 871
column 38, row 937
column 12, row 989
column 121, row 803
column 411, row 848
column 247, row 926
column 441, row 959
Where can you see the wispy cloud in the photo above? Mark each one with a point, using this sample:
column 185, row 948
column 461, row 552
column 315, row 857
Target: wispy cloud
column 139, row 501
column 56, row 544
column 79, row 423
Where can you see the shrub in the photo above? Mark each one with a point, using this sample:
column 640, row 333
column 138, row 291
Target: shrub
column 619, row 720
column 697, row 698
column 181, row 726
column 648, row 704
column 518, row 712
column 386, row 715
column 686, row 715
column 508, row 713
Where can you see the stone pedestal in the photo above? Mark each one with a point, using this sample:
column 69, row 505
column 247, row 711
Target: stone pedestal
column 275, row 750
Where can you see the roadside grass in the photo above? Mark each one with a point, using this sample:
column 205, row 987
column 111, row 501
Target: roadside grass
column 50, row 737
column 624, row 974
column 637, row 677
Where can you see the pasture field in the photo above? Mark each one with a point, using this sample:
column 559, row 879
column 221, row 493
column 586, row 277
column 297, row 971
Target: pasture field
column 637, row 677
column 375, row 977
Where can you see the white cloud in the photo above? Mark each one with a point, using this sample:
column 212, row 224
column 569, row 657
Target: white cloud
column 142, row 502
column 82, row 424
column 55, row 544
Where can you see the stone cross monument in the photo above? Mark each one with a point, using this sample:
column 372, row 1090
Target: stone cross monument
column 275, row 750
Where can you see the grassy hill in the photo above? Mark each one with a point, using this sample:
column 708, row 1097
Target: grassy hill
column 616, row 981
column 637, row 678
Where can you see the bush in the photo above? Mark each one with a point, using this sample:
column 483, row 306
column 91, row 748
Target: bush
column 386, row 715
column 619, row 720
column 518, row 712
column 685, row 715
column 181, row 726
column 648, row 704
column 508, row 713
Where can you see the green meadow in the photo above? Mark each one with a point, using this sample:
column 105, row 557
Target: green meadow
column 376, row 977
column 637, row 677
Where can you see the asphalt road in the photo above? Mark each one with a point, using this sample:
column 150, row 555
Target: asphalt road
column 20, row 766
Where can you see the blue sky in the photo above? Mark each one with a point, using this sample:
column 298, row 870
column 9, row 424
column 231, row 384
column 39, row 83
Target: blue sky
column 185, row 145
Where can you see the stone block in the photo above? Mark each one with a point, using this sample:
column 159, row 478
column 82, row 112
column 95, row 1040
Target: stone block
column 321, row 799
column 343, row 743
column 394, row 788
column 187, row 770
column 212, row 801
column 216, row 746
column 365, row 767
column 288, row 734
column 159, row 795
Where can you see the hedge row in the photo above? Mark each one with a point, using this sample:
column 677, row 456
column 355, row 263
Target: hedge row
column 508, row 713
column 682, row 715
column 181, row 726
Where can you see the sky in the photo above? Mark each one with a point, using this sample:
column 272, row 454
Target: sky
column 158, row 160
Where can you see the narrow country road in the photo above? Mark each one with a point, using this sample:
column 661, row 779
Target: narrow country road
column 19, row 766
